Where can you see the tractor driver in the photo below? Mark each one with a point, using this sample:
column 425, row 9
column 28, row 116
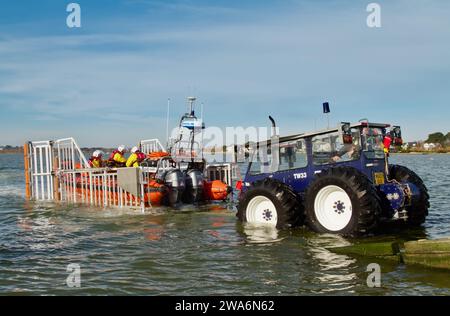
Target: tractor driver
column 347, row 153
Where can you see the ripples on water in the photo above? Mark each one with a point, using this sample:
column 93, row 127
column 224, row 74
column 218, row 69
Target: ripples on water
column 195, row 252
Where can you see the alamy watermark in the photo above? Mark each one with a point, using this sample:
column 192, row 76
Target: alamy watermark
column 218, row 143
column 374, row 277
column 74, row 17
column 73, row 20
column 374, row 18
column 74, row 278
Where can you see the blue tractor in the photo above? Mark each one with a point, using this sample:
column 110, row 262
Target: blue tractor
column 336, row 180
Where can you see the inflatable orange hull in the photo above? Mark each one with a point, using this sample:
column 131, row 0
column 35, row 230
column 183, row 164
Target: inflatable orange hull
column 155, row 193
column 215, row 190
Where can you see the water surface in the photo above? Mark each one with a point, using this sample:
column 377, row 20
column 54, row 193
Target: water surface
column 196, row 252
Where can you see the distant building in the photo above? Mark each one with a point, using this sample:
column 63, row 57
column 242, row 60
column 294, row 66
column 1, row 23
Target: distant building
column 430, row 146
column 410, row 145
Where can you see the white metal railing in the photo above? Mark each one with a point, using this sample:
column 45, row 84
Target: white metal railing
column 97, row 187
column 164, row 164
column 40, row 170
column 69, row 155
column 220, row 171
column 151, row 145
column 58, row 170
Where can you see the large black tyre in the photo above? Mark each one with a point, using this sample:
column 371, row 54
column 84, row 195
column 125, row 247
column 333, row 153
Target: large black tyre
column 270, row 202
column 342, row 200
column 418, row 210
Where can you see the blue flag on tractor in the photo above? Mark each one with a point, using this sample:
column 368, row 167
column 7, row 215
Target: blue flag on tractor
column 326, row 108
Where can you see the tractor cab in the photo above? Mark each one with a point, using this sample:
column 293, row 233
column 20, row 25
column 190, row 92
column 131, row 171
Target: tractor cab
column 301, row 156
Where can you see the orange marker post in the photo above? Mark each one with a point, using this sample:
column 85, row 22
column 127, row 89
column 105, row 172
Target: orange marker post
column 27, row 171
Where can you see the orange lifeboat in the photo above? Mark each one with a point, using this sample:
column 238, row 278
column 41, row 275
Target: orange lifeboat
column 154, row 193
column 215, row 190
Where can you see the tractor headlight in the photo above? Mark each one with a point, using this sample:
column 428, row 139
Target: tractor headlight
column 346, row 133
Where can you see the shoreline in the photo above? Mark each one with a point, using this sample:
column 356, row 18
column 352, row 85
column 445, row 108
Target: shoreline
column 421, row 153
column 11, row 151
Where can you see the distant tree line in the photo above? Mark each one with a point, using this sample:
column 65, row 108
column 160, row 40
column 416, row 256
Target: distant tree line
column 439, row 138
column 9, row 147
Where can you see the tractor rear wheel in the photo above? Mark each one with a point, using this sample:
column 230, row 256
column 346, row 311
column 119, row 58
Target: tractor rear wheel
column 271, row 203
column 342, row 200
column 418, row 210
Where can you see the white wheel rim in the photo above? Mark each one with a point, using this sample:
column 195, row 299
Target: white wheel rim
column 333, row 208
column 261, row 211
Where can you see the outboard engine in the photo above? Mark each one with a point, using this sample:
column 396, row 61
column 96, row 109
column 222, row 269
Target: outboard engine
column 194, row 186
column 175, row 181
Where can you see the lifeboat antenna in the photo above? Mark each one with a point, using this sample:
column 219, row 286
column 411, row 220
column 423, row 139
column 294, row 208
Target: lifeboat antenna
column 201, row 112
column 191, row 104
column 167, row 121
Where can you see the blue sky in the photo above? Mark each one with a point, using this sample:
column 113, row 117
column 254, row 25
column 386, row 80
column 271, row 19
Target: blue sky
column 108, row 82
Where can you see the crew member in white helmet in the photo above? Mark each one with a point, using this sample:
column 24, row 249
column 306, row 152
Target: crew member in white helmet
column 117, row 158
column 96, row 159
column 136, row 157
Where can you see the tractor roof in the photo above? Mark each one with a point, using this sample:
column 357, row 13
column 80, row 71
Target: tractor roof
column 293, row 137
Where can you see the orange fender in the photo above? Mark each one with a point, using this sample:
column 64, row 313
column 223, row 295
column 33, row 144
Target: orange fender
column 215, row 190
